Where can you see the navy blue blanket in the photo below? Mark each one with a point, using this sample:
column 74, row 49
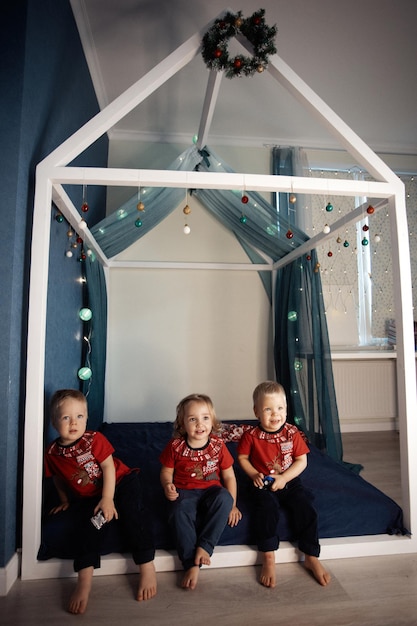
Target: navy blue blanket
column 347, row 505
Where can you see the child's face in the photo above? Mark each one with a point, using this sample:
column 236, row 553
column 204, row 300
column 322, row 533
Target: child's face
column 197, row 423
column 271, row 411
column 71, row 420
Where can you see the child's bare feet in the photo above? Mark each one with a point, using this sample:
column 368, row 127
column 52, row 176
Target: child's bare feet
column 79, row 599
column 147, row 581
column 267, row 577
column 190, row 578
column 202, row 557
column 316, row 568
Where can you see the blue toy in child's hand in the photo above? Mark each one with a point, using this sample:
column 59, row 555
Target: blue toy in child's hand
column 268, row 482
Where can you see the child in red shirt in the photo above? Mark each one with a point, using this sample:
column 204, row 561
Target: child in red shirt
column 273, row 455
column 199, row 481
column 84, row 471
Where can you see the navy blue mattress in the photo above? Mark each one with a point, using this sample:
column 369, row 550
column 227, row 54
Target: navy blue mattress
column 347, row 505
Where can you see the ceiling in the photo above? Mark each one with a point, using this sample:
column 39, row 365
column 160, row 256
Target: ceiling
column 360, row 57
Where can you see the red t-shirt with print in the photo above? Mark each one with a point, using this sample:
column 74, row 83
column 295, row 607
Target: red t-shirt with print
column 272, row 453
column 78, row 465
column 196, row 468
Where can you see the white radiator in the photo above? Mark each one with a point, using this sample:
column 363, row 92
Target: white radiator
column 366, row 394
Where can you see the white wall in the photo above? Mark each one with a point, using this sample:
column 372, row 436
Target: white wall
column 174, row 332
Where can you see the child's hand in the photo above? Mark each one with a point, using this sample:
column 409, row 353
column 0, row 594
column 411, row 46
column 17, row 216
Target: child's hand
column 171, row 492
column 106, row 505
column 61, row 507
column 234, row 517
column 279, row 483
column 258, row 480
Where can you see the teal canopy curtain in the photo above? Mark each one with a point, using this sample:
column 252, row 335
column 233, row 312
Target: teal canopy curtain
column 302, row 352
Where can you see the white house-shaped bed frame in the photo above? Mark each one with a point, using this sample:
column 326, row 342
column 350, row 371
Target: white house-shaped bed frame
column 53, row 172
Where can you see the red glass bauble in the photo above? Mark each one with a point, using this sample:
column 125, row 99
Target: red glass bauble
column 289, row 234
column 245, row 199
column 84, row 207
column 370, row 210
column 217, row 53
column 237, row 62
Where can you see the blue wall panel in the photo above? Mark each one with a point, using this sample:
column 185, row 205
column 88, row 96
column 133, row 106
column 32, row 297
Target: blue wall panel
column 48, row 96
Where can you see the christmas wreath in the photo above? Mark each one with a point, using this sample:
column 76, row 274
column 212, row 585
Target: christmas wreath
column 215, row 44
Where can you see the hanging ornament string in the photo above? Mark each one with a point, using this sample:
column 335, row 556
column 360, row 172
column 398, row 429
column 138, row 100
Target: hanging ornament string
column 215, row 49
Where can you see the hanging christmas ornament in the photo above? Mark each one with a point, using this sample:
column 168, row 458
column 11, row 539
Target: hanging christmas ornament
column 292, row 198
column 326, row 229
column 140, row 206
column 330, row 253
column 308, row 257
column 82, row 224
column 186, row 210
column 370, row 209
column 377, row 238
column 346, row 244
column 68, row 254
column 317, row 267
column 365, row 241
column 187, row 229
column 289, row 234
column 365, row 228
column 329, row 207
column 84, row 206
column 244, row 199
column 138, row 223
column 59, row 218
column 70, row 233
column 243, row 219
column 339, row 240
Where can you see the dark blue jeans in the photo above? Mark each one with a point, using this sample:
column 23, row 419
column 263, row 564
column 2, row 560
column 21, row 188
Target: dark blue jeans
column 134, row 521
column 198, row 518
column 302, row 517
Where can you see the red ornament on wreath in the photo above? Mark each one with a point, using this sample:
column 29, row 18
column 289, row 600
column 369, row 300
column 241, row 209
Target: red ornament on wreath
column 218, row 53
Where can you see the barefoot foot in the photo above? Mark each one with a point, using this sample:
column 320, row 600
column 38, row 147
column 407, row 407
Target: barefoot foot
column 190, row 578
column 147, row 581
column 312, row 564
column 267, row 577
column 202, row 557
column 79, row 599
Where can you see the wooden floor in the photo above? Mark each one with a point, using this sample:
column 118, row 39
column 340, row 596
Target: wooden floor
column 371, row 591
